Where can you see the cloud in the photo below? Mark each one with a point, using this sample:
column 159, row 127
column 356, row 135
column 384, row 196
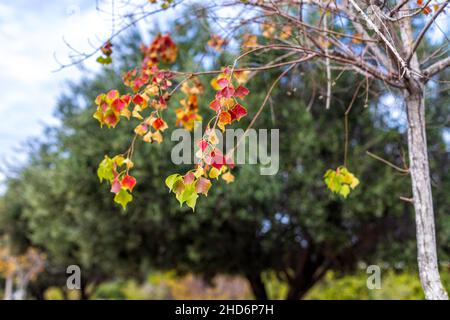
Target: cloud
column 30, row 34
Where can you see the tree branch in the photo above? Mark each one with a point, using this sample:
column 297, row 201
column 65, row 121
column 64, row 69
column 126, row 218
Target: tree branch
column 379, row 33
column 424, row 30
column 437, row 67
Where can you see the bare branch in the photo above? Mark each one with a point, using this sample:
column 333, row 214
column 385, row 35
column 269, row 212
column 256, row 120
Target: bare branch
column 437, row 67
column 425, row 29
column 379, row 33
column 390, row 164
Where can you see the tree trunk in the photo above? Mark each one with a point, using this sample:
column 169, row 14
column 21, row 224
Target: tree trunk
column 422, row 197
column 296, row 292
column 9, row 283
column 258, row 288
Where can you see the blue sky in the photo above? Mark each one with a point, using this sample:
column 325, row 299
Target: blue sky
column 31, row 33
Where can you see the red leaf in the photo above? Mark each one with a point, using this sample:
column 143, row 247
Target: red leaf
column 111, row 119
column 126, row 98
column 113, row 94
column 241, row 92
column 115, row 187
column 224, row 118
column 222, row 82
column 215, row 105
column 426, row 10
column 189, row 178
column 227, row 92
column 162, row 101
column 138, row 99
column 128, row 182
column 217, row 159
column 202, row 185
column 104, row 106
column 118, row 105
column 159, row 124
column 203, row 144
column 238, row 112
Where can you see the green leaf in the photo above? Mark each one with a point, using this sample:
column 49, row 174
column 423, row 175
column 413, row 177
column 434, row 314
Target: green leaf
column 172, row 179
column 345, row 190
column 123, row 197
column 103, row 60
column 188, row 195
column 191, row 202
column 340, row 181
column 105, row 169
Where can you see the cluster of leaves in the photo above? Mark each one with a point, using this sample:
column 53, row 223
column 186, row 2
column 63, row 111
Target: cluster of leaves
column 428, row 9
column 225, row 104
column 340, row 181
column 188, row 114
column 150, row 89
column 110, row 106
column 217, row 42
column 212, row 163
column 115, row 170
column 107, row 52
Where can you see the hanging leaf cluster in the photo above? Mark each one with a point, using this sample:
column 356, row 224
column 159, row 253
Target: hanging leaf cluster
column 340, row 181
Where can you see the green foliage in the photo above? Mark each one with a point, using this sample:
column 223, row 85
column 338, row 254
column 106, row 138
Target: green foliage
column 340, row 181
column 395, row 285
column 104, row 60
column 172, row 179
column 123, row 197
column 105, row 169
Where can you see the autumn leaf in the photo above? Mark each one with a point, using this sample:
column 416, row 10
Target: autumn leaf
column 241, row 92
column 214, row 173
column 189, row 196
column 202, row 144
column 189, row 178
column 216, row 42
column 238, row 112
column 123, row 197
column 249, row 41
column 228, row 177
column 141, row 129
column 171, row 180
column 159, row 124
column 222, row 83
column 115, row 187
column 105, row 169
column 128, row 182
column 202, row 186
column 224, row 119
column 340, row 181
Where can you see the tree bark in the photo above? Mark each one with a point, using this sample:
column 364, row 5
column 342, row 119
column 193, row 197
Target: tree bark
column 258, row 287
column 422, row 196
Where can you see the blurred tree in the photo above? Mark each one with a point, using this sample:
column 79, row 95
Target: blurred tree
column 287, row 223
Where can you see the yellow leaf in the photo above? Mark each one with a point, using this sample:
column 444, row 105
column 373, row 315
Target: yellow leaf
column 199, row 172
column 228, row 177
column 214, row 173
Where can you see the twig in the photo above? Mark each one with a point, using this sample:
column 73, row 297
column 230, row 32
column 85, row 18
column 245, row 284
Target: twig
column 424, row 30
column 386, row 41
column 266, row 98
column 390, row 164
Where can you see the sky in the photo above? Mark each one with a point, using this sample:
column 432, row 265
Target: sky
column 32, row 34
column 32, row 41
